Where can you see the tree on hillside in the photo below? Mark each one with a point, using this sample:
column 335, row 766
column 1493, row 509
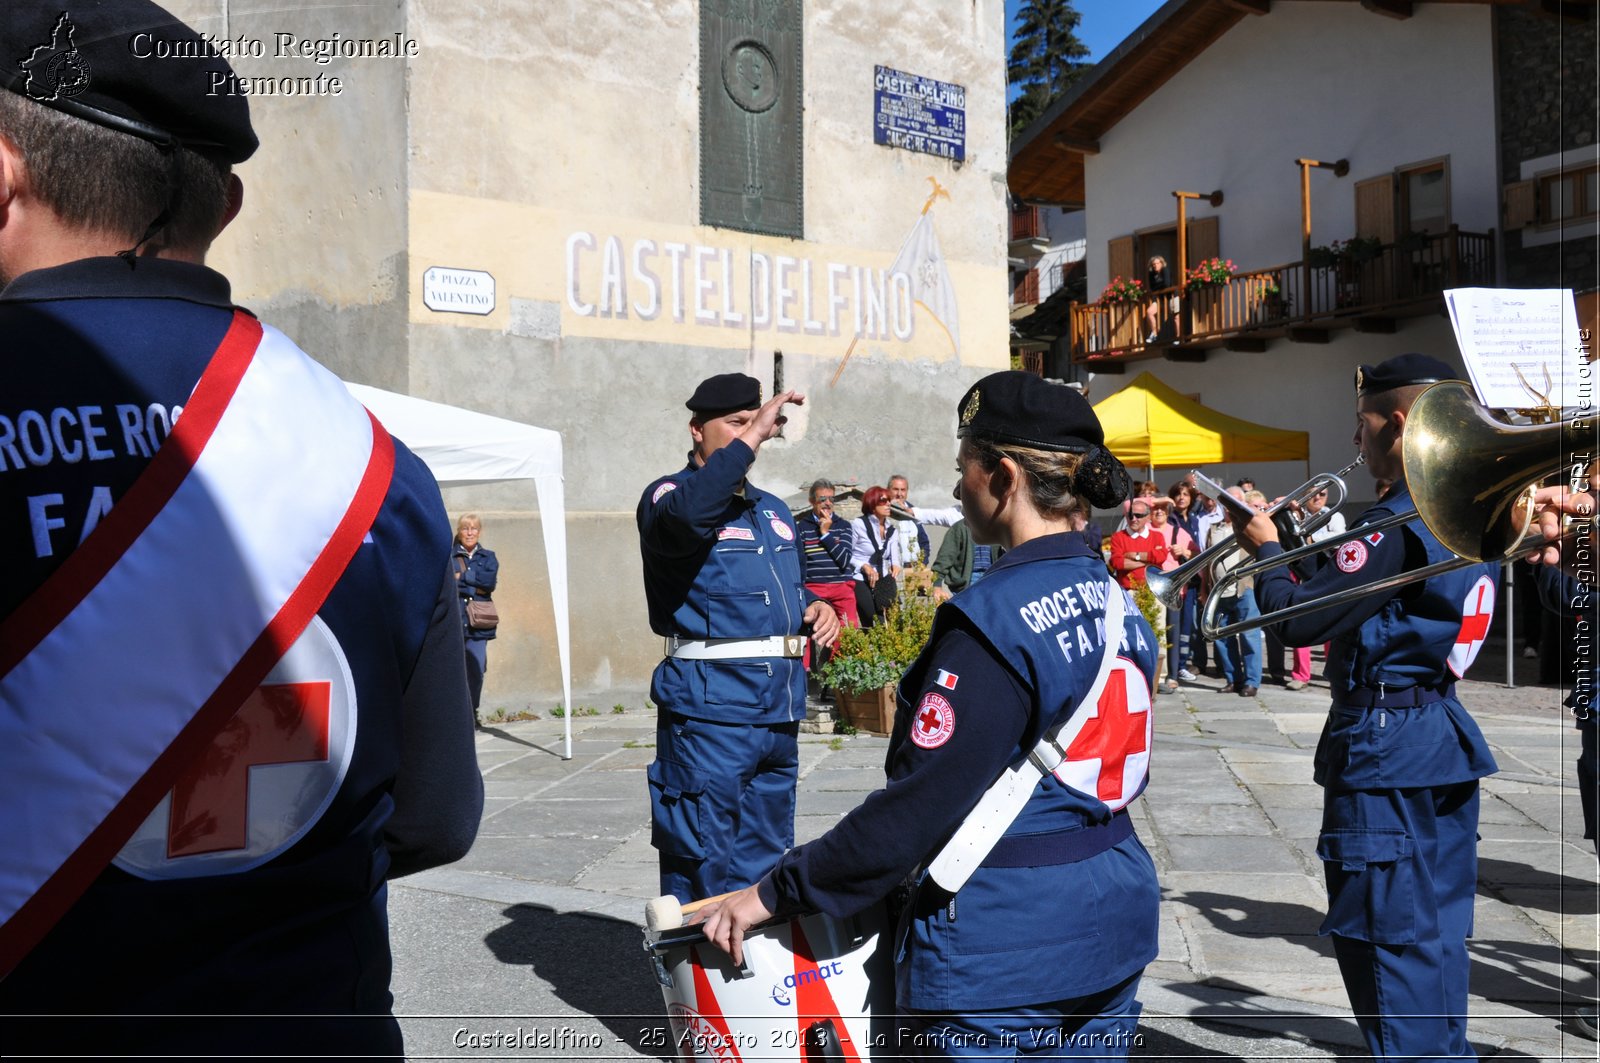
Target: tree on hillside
column 1046, row 58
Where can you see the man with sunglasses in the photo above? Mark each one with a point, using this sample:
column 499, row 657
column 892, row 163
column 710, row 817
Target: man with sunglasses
column 1137, row 547
column 825, row 542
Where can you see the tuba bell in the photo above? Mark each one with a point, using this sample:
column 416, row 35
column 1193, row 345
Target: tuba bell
column 1473, row 477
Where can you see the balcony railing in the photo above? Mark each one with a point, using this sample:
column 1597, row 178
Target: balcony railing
column 1400, row 279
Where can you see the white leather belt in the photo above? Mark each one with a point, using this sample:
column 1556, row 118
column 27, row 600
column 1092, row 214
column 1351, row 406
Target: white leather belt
column 735, row 649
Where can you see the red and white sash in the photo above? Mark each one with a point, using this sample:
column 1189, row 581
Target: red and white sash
column 123, row 666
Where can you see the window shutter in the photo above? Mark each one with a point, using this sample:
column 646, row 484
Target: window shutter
column 1119, row 253
column 1375, row 208
column 1204, row 243
column 1025, row 290
column 1520, row 201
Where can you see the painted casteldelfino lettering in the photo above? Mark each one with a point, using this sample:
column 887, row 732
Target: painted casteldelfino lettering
column 727, row 287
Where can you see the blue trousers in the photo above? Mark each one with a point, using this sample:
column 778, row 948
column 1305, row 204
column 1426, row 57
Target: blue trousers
column 721, row 802
column 1240, row 654
column 477, row 665
column 1191, row 647
column 1402, row 870
column 1103, row 1025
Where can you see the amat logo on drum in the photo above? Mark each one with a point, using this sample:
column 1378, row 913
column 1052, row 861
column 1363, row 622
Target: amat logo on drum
column 697, row 1036
column 781, row 990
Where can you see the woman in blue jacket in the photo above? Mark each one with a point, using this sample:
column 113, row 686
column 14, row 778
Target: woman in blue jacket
column 476, row 570
column 1038, row 938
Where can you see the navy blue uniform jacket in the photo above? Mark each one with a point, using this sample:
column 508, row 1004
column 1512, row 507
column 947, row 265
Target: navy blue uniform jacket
column 1014, row 934
column 306, row 932
column 1424, row 635
column 721, row 564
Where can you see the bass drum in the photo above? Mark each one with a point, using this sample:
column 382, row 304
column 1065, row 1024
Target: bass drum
column 812, row 988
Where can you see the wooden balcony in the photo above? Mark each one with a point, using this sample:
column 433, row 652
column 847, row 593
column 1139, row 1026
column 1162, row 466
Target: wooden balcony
column 1294, row 300
column 1028, row 233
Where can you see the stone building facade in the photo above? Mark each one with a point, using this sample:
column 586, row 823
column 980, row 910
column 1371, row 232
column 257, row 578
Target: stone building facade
column 508, row 216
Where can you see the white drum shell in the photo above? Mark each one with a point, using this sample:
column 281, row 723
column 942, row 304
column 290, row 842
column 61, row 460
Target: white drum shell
column 721, row 1014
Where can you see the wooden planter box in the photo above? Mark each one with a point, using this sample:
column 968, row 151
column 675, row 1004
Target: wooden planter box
column 871, row 711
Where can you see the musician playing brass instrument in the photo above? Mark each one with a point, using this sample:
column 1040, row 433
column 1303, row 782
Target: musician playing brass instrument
column 1400, row 758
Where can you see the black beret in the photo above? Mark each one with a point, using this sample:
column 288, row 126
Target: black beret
column 1401, row 370
column 725, row 393
column 1017, row 407
column 128, row 65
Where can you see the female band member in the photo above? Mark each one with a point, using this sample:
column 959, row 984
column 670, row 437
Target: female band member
column 1044, row 944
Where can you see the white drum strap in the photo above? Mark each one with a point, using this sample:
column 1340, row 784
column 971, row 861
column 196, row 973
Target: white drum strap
column 1002, row 803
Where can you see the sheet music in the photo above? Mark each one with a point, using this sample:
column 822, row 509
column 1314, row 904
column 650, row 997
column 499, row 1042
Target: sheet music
column 1517, row 342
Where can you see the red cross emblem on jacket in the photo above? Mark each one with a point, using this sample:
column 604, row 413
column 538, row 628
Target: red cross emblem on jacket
column 1476, row 612
column 1108, row 753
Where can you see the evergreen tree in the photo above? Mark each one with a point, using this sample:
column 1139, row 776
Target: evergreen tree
column 1046, row 58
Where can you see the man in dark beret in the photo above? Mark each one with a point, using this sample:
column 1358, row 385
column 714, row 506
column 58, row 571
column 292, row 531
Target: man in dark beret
column 234, row 698
column 1400, row 757
column 722, row 577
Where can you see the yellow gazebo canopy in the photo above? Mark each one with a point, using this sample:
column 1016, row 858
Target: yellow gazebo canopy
column 1149, row 424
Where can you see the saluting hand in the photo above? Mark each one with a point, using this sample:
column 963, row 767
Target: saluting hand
column 769, row 418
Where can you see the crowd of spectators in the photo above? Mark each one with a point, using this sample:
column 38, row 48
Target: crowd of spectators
column 859, row 566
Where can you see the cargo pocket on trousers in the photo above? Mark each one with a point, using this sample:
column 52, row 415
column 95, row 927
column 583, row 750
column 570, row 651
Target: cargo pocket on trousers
column 1371, row 885
column 675, row 794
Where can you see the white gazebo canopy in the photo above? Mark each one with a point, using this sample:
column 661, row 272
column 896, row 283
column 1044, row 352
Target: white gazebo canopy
column 461, row 447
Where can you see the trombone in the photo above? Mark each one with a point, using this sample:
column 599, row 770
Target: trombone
column 1168, row 586
column 1471, row 479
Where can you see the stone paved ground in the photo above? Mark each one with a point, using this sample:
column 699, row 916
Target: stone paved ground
column 541, row 919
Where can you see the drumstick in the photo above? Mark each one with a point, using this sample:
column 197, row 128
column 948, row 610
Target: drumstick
column 666, row 913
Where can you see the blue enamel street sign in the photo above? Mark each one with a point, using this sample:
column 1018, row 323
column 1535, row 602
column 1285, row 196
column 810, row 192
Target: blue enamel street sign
column 919, row 114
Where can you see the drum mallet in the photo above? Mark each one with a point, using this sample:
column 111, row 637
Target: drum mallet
column 667, row 913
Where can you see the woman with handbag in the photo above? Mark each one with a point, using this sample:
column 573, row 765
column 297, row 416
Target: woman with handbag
column 875, row 556
column 476, row 570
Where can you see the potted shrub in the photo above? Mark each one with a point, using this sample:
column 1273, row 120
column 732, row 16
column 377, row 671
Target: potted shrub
column 868, row 662
column 1274, row 303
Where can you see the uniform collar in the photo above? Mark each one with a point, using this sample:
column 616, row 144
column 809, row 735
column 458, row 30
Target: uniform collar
column 111, row 278
column 1045, row 548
